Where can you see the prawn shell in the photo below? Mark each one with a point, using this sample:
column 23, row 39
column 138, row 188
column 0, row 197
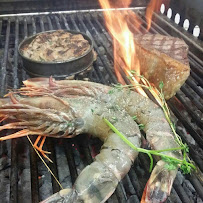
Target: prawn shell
column 116, row 161
column 99, row 187
column 122, row 146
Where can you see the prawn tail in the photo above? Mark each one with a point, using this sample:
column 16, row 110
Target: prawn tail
column 159, row 185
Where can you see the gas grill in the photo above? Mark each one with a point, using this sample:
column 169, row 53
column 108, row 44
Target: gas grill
column 23, row 176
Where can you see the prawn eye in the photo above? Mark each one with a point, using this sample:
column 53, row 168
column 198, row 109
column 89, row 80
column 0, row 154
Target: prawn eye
column 79, row 122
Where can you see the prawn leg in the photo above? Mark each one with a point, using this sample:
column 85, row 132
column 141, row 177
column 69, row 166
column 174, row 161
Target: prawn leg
column 18, row 134
column 35, row 145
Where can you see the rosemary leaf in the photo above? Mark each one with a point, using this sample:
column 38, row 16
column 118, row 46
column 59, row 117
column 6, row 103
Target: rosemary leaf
column 134, row 118
column 161, row 85
column 141, row 126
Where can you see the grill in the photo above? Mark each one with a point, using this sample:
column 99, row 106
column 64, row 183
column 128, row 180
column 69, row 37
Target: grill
column 24, row 178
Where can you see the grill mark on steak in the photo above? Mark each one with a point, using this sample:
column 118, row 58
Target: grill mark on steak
column 165, row 44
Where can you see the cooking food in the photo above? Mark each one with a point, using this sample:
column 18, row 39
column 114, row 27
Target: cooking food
column 67, row 108
column 163, row 58
column 57, row 46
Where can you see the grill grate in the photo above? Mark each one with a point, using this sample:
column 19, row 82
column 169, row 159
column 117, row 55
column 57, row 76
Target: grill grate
column 71, row 156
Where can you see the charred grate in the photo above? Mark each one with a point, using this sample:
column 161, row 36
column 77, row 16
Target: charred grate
column 24, row 177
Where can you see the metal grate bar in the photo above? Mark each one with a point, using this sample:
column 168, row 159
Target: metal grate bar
column 193, row 98
column 25, row 28
column 175, row 197
column 34, row 176
column 49, row 23
column 15, row 68
column 0, row 26
column 192, row 113
column 14, row 173
column 197, row 67
column 129, row 189
column 195, row 76
column 94, row 17
column 98, row 35
column 4, row 61
column 196, row 59
column 70, row 159
column 34, row 26
column 65, row 22
column 41, row 25
column 83, row 145
column 181, row 192
column 57, row 23
column 190, row 129
column 192, row 83
column 135, row 182
column 195, row 182
column 50, row 26
column 52, row 166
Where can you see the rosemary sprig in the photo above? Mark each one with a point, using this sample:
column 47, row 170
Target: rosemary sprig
column 172, row 162
column 159, row 96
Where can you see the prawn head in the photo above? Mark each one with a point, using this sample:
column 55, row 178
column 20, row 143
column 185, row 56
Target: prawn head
column 43, row 116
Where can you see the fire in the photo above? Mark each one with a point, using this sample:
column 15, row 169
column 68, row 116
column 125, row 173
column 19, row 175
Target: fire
column 123, row 40
column 154, row 5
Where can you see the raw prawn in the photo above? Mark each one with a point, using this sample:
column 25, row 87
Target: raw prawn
column 66, row 108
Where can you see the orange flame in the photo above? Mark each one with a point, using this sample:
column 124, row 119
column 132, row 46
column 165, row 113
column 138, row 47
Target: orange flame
column 123, row 40
column 124, row 47
column 154, row 5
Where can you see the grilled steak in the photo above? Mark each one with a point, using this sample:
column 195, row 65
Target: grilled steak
column 163, row 58
column 57, row 46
